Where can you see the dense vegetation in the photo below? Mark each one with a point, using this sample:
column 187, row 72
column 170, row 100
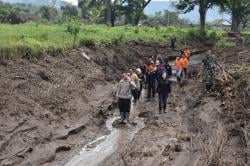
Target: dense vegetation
column 51, row 28
column 40, row 36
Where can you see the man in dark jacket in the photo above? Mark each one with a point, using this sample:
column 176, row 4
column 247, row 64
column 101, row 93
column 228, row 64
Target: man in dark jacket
column 168, row 68
column 173, row 41
column 163, row 89
column 151, row 81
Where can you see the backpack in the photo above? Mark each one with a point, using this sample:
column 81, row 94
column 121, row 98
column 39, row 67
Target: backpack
column 161, row 71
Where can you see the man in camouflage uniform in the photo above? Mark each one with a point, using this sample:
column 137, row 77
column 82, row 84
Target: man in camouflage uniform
column 209, row 66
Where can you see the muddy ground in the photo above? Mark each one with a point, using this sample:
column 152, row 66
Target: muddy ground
column 198, row 129
column 51, row 107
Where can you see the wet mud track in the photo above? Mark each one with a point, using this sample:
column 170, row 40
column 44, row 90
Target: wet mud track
column 97, row 151
column 49, row 116
column 193, row 132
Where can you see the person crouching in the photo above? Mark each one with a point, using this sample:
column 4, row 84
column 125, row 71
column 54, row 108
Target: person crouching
column 124, row 97
column 163, row 90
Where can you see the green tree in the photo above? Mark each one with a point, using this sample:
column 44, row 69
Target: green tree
column 9, row 14
column 45, row 12
column 73, row 27
column 69, row 11
column 134, row 10
column 14, row 17
column 189, row 5
column 238, row 9
column 113, row 10
column 245, row 21
column 170, row 18
column 84, row 5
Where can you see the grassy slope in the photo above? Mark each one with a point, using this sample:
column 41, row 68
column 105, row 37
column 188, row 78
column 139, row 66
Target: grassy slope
column 14, row 38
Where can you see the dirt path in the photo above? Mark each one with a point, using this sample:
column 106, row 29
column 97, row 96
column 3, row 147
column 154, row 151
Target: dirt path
column 192, row 133
column 97, row 151
column 53, row 107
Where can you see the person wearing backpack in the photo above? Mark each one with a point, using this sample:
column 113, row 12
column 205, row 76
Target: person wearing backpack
column 168, row 68
column 163, row 90
column 160, row 68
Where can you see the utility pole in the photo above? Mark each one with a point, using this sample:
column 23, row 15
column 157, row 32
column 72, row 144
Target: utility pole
column 222, row 21
column 168, row 19
column 108, row 8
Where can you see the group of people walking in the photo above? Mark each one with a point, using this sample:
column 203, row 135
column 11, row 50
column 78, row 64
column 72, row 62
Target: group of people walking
column 154, row 75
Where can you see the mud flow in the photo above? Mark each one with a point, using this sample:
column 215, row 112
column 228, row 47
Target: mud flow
column 61, row 110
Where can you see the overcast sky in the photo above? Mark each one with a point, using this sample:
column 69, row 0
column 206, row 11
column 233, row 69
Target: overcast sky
column 76, row 1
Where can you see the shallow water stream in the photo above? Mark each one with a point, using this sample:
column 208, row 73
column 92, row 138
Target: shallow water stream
column 95, row 152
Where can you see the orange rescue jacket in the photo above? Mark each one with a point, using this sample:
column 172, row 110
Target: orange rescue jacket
column 184, row 62
column 178, row 64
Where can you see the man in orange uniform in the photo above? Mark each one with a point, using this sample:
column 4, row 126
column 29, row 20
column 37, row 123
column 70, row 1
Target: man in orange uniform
column 185, row 63
column 179, row 69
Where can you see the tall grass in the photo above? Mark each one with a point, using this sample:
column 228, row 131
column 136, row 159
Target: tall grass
column 17, row 39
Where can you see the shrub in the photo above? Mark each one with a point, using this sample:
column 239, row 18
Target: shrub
column 213, row 35
column 136, row 31
column 73, row 27
column 196, row 34
column 225, row 44
column 44, row 36
column 247, row 40
column 89, row 42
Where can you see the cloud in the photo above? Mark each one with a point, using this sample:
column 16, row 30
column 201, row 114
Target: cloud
column 74, row 2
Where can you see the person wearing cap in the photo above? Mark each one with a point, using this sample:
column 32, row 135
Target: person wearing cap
column 124, row 96
column 209, row 64
column 160, row 69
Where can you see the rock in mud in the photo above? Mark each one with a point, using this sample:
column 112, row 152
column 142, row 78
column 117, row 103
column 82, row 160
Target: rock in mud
column 63, row 148
column 144, row 114
column 177, row 148
column 185, row 138
column 166, row 150
column 44, row 75
column 7, row 162
column 64, row 133
column 41, row 155
column 99, row 121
